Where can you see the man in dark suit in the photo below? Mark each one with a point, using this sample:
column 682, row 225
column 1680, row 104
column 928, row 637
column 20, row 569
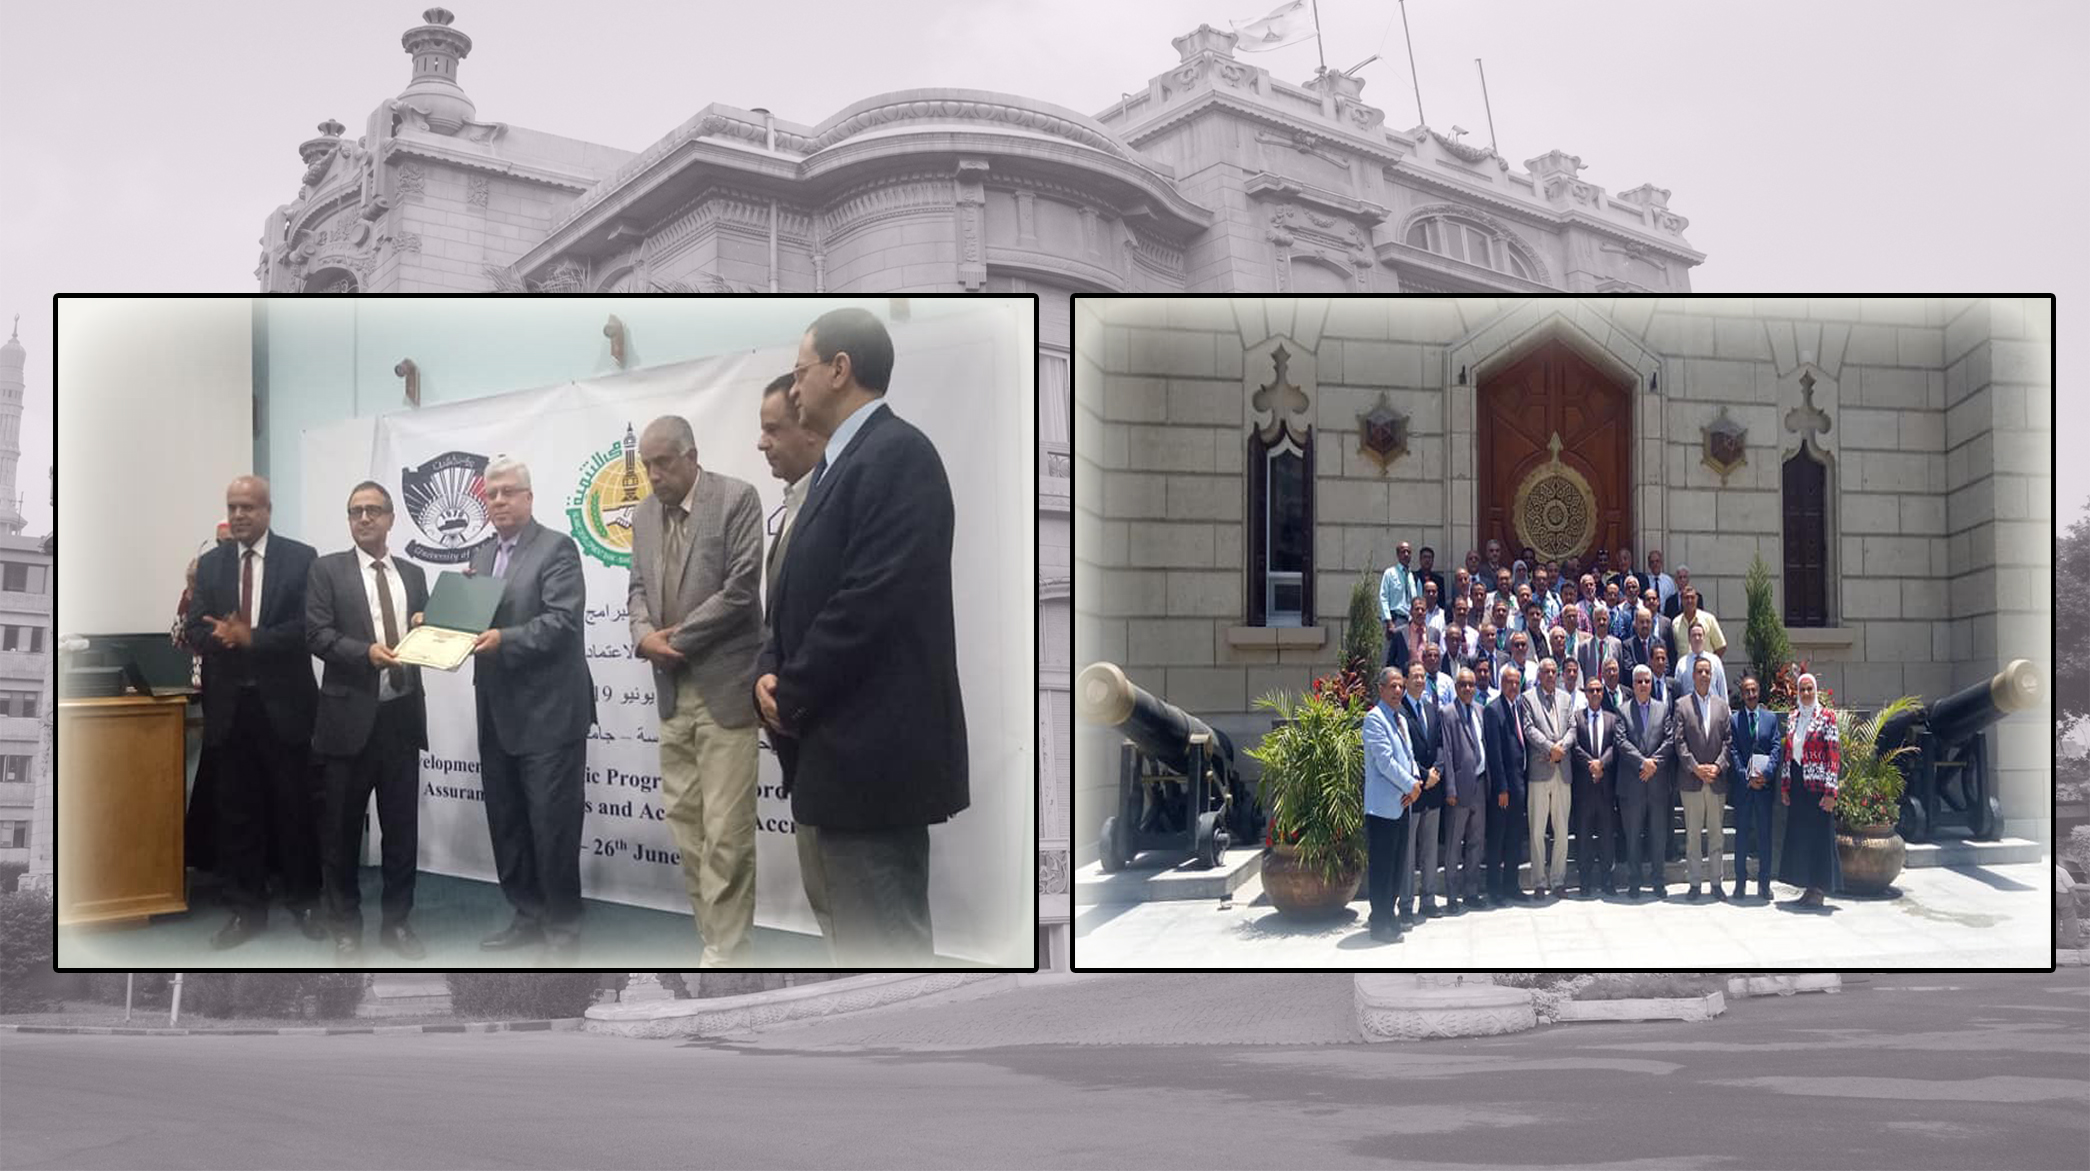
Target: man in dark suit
column 1426, row 815
column 1646, row 754
column 1428, row 573
column 1503, row 728
column 792, row 450
column 696, row 615
column 1593, row 804
column 372, row 721
column 535, row 703
column 248, row 619
column 861, row 661
column 1756, row 733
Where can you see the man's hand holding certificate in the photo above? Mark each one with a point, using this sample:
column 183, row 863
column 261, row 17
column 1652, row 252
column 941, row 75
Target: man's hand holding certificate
column 459, row 610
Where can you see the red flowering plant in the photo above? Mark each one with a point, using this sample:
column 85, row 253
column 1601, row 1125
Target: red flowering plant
column 1784, row 693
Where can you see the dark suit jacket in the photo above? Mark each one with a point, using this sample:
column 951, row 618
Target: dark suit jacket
column 1426, row 732
column 1443, row 600
column 535, row 688
column 277, row 660
column 1506, row 758
column 1604, row 749
column 863, row 639
column 1657, row 744
column 339, row 631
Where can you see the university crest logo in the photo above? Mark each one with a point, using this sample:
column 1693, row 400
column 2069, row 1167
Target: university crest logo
column 446, row 497
column 606, row 502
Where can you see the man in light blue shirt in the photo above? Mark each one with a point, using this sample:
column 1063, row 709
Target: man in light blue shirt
column 1687, row 664
column 1389, row 787
column 1399, row 586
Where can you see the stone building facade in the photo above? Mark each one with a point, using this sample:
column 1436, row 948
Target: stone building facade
column 1913, row 434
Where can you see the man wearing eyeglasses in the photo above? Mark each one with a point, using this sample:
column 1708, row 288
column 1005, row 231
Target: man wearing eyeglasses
column 861, row 659
column 372, row 723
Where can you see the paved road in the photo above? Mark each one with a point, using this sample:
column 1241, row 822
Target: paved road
column 1902, row 1071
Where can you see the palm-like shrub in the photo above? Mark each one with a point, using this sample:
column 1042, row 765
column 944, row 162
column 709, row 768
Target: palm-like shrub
column 1869, row 791
column 1313, row 779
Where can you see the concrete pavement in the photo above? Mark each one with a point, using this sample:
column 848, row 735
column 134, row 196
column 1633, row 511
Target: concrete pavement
column 1945, row 916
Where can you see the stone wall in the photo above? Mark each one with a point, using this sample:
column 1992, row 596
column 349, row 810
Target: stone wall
column 1934, row 416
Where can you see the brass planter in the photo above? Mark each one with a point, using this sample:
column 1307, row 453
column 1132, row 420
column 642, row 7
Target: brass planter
column 1871, row 857
column 1296, row 891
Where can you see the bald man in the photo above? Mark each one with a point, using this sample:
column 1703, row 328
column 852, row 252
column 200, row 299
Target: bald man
column 247, row 618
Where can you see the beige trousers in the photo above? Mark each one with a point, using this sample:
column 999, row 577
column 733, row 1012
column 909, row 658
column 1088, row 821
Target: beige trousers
column 707, row 789
column 1548, row 800
column 1702, row 817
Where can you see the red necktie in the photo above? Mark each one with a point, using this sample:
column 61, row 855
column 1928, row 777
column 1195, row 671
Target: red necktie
column 246, row 588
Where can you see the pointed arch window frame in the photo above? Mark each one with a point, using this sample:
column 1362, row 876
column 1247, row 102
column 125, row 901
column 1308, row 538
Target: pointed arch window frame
column 1263, row 582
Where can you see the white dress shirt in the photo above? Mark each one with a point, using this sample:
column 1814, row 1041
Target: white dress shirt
column 401, row 619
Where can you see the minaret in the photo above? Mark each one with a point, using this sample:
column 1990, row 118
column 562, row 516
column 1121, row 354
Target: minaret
column 436, row 49
column 11, row 386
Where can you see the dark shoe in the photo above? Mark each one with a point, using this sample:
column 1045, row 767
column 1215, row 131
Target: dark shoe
column 402, row 940
column 1454, row 907
column 1741, row 890
column 1383, row 933
column 237, row 930
column 1661, row 892
column 513, row 936
column 1719, row 893
column 1407, row 919
column 308, row 922
column 1429, row 909
column 1520, row 897
column 1691, row 896
column 348, row 953
column 1764, row 892
column 1611, row 890
column 1633, row 892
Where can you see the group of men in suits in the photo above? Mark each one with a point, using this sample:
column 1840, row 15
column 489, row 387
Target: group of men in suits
column 1486, row 776
column 853, row 672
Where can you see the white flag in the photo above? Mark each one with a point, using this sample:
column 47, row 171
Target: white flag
column 1287, row 24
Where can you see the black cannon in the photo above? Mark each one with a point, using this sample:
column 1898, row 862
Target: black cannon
column 1948, row 774
column 1178, row 785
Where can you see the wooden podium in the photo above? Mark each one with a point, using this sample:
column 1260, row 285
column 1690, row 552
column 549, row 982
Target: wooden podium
column 120, row 808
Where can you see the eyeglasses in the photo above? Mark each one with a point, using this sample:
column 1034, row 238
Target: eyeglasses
column 359, row 511
column 799, row 372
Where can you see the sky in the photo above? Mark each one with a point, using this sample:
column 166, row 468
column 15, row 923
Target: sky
column 1860, row 146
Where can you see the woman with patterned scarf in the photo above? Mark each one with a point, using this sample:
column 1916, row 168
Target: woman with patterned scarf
column 1809, row 856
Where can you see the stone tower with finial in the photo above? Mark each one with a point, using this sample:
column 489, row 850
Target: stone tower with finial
column 436, row 49
column 11, row 387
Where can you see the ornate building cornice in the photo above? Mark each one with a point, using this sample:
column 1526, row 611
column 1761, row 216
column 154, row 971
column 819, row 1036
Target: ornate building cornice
column 1542, row 217
column 1380, row 149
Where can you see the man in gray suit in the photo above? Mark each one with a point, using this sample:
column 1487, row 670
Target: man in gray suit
column 535, row 702
column 1702, row 732
column 792, row 449
column 696, row 616
column 1647, row 752
column 1464, row 760
column 1549, row 733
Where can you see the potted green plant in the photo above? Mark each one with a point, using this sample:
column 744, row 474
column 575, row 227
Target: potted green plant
column 1313, row 788
column 1868, row 803
column 1765, row 637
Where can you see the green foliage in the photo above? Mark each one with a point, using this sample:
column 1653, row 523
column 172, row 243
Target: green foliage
column 1364, row 639
column 1313, row 779
column 1869, row 791
column 532, row 995
column 1639, row 985
column 2071, row 629
column 10, row 874
column 27, row 983
column 1768, row 647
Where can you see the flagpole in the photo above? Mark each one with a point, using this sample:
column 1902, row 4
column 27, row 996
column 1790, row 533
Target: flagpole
column 1318, row 47
column 1424, row 118
column 1490, row 108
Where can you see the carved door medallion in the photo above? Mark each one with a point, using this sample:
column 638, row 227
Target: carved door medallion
column 1553, row 437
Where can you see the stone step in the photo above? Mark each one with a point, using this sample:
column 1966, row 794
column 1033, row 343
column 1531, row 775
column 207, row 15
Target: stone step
column 1157, row 876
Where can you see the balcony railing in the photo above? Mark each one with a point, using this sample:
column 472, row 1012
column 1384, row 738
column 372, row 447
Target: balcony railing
column 1055, row 477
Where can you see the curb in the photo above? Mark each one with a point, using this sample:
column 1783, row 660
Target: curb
column 717, row 1016
column 1783, row 985
column 563, row 1025
column 1644, row 1008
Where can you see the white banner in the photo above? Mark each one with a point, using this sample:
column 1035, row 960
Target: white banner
column 967, row 381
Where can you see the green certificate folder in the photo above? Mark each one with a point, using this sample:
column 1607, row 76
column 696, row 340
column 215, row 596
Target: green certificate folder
column 459, row 610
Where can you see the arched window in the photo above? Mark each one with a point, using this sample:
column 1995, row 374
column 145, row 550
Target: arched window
column 1806, row 538
column 1468, row 239
column 1280, row 586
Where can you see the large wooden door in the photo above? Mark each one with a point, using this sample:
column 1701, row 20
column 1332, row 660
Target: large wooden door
column 1570, row 502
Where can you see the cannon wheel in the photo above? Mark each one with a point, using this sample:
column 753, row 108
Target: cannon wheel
column 1211, row 840
column 1112, row 852
column 1912, row 827
column 1983, row 817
